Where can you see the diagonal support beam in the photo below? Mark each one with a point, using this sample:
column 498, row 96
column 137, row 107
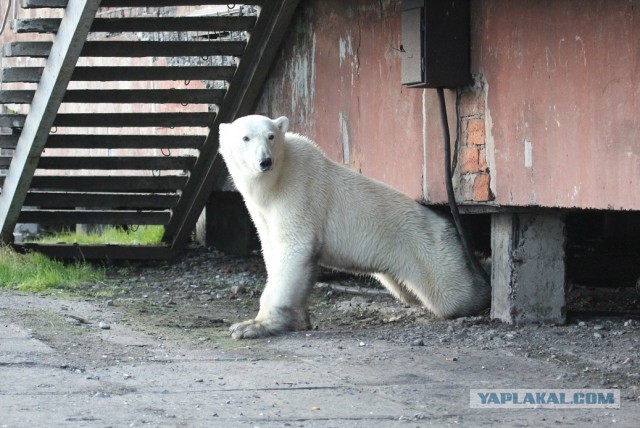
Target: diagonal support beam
column 65, row 51
column 244, row 91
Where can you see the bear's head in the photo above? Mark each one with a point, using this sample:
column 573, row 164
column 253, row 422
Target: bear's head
column 251, row 145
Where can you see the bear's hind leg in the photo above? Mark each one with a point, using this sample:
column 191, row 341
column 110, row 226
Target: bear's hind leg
column 396, row 289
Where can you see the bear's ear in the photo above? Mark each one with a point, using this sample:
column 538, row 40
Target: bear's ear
column 282, row 123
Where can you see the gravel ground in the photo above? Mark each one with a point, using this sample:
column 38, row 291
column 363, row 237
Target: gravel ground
column 167, row 323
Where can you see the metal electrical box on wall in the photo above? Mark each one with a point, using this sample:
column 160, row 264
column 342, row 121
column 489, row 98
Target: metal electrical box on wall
column 435, row 43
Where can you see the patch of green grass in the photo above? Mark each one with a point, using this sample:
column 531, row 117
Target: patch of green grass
column 140, row 235
column 36, row 272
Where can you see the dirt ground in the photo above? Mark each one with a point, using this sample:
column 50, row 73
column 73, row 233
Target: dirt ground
column 150, row 346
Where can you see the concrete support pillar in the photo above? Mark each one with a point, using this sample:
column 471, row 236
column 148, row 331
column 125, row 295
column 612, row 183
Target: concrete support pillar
column 528, row 267
column 226, row 225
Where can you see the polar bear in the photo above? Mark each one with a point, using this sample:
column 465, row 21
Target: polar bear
column 310, row 211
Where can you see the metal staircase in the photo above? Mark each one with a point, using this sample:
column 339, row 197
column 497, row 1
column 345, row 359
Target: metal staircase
column 115, row 131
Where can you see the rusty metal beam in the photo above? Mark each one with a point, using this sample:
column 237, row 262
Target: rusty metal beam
column 65, row 51
column 244, row 90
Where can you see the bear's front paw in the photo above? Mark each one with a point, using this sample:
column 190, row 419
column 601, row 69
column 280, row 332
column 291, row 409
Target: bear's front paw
column 252, row 329
column 278, row 321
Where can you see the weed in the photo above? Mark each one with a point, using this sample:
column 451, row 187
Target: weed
column 140, row 235
column 37, row 272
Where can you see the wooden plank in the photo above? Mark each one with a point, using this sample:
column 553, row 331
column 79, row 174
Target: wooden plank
column 65, row 51
column 90, row 120
column 34, row 4
column 145, row 24
column 131, row 49
column 72, row 141
column 63, row 217
column 111, row 217
column 117, row 162
column 16, row 96
column 8, row 141
column 113, row 74
column 99, row 252
column 142, row 184
column 244, row 90
column 139, row 120
column 124, row 96
column 12, row 120
column 5, row 161
column 101, row 200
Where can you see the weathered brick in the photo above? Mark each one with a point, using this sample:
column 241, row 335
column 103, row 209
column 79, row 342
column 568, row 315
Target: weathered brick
column 481, row 188
column 475, row 132
column 482, row 160
column 469, row 160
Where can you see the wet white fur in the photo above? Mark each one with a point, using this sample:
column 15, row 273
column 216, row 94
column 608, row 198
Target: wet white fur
column 311, row 211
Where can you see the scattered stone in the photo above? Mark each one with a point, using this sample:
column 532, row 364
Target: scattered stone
column 101, row 394
column 109, row 302
column 598, row 335
column 417, row 342
column 582, row 324
column 104, row 325
column 238, row 289
column 358, row 301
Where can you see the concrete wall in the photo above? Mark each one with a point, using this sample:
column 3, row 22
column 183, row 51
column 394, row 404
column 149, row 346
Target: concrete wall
column 552, row 119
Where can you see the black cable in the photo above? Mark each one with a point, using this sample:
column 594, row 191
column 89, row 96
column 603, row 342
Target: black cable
column 450, row 195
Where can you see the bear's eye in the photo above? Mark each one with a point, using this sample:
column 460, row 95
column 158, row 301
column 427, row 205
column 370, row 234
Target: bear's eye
column 245, row 138
column 271, row 136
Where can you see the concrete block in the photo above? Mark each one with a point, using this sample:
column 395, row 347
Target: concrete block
column 226, row 225
column 528, row 267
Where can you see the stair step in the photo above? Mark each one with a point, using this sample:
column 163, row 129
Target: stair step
column 65, row 217
column 117, row 119
column 140, row 184
column 155, row 24
column 101, row 200
column 112, row 74
column 8, row 141
column 5, row 161
column 100, row 252
column 80, row 141
column 155, row 163
column 132, row 49
column 54, row 4
column 12, row 120
column 124, row 96
column 70, row 141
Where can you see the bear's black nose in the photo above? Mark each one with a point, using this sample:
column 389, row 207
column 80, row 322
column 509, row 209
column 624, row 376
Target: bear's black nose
column 266, row 164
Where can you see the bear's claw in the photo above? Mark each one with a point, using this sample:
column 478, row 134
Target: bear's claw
column 251, row 329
